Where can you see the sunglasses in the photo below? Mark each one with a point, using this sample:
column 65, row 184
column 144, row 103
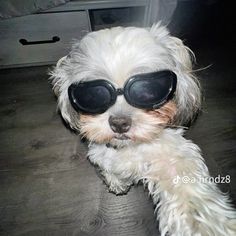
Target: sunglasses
column 144, row 91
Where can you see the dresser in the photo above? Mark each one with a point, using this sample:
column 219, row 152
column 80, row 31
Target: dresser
column 42, row 38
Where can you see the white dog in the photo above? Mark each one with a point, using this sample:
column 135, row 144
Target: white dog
column 127, row 90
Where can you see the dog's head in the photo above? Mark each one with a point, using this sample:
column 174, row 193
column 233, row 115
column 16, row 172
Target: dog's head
column 124, row 85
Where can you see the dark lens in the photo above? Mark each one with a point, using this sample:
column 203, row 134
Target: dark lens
column 150, row 90
column 91, row 97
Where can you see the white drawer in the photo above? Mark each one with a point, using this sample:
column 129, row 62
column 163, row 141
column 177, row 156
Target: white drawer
column 66, row 26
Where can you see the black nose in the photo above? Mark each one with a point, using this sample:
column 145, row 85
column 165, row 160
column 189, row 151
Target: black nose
column 120, row 124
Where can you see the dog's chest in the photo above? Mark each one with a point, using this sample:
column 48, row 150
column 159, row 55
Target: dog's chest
column 131, row 161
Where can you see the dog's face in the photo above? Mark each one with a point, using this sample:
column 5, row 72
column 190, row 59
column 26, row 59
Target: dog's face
column 116, row 56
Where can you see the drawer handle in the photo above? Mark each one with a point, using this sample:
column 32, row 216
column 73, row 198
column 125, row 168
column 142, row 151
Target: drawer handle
column 53, row 40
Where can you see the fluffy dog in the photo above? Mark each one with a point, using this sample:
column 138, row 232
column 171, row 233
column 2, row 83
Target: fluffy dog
column 127, row 90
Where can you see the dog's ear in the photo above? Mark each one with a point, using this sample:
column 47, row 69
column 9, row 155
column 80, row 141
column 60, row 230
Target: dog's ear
column 61, row 79
column 181, row 54
column 57, row 76
column 188, row 94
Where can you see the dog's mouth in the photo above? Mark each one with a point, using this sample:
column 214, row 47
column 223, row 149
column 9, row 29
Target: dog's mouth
column 119, row 141
column 121, row 137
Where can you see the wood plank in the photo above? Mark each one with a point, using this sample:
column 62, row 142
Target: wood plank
column 47, row 185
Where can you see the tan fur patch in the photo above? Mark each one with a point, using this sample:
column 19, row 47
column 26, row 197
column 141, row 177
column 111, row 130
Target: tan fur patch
column 95, row 128
column 165, row 113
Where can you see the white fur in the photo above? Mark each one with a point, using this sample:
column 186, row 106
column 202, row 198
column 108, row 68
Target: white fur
column 153, row 153
column 183, row 208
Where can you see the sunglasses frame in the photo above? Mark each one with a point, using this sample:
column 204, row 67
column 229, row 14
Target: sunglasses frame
column 150, row 76
column 114, row 92
column 100, row 82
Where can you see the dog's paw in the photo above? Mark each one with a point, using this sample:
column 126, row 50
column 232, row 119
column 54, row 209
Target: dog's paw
column 116, row 185
column 118, row 189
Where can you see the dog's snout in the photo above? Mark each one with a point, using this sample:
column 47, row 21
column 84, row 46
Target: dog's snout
column 120, row 124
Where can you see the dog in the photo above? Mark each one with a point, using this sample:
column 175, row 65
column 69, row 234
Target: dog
column 129, row 91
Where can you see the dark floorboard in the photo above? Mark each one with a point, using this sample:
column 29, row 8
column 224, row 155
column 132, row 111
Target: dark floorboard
column 47, row 185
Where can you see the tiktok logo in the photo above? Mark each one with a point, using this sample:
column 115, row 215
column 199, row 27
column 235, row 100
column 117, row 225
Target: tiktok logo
column 176, row 179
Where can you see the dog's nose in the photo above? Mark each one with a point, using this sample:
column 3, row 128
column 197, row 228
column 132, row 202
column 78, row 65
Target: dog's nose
column 120, row 124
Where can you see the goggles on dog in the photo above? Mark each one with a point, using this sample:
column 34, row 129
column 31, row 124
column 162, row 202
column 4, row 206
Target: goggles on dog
column 145, row 91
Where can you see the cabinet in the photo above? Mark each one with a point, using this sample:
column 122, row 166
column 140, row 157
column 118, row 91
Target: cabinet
column 44, row 37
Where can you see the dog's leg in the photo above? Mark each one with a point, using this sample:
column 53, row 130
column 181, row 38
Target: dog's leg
column 188, row 204
column 111, row 169
column 115, row 184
